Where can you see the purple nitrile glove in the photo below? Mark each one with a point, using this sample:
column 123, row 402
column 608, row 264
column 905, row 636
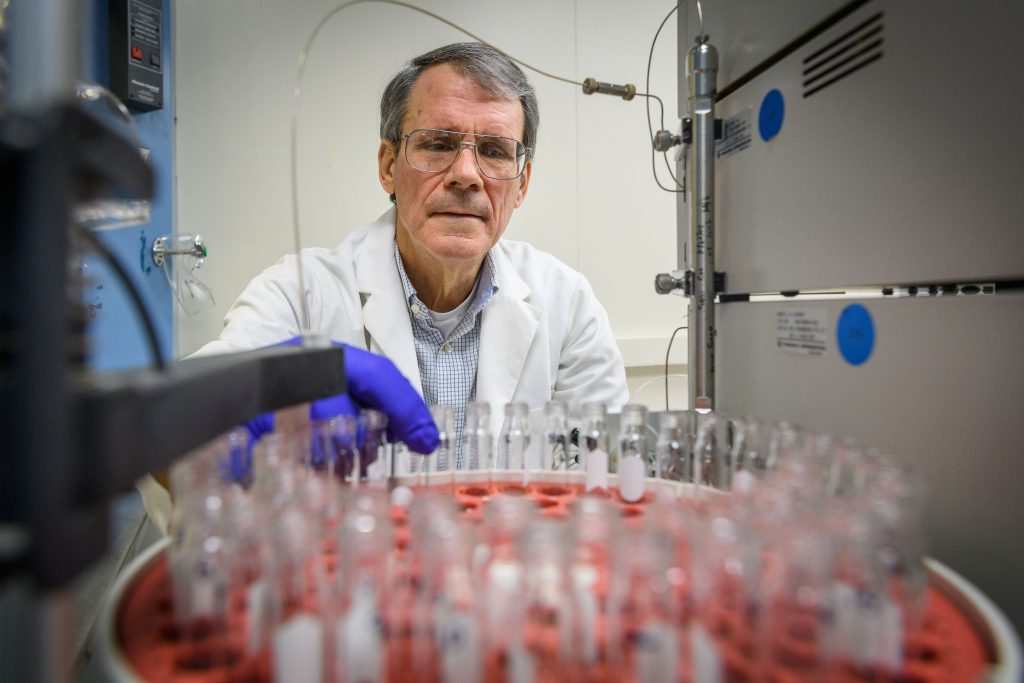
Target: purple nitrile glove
column 373, row 382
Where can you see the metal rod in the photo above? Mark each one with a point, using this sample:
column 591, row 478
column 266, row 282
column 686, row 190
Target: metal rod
column 45, row 44
column 701, row 74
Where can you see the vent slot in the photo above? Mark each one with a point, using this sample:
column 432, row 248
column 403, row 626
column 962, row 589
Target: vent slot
column 847, row 54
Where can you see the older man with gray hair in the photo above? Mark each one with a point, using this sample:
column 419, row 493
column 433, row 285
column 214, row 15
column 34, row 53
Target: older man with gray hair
column 462, row 313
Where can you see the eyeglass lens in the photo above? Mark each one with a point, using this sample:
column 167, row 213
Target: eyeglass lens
column 434, row 150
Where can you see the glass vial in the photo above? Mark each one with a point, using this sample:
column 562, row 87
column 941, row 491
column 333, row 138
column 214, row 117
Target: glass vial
column 556, row 436
column 633, row 452
column 594, row 445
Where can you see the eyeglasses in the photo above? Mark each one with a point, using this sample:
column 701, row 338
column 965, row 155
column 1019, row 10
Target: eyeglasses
column 433, row 151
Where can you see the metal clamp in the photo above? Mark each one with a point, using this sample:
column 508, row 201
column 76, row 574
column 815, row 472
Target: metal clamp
column 161, row 252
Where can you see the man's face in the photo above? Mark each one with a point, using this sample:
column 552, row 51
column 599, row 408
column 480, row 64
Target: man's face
column 455, row 216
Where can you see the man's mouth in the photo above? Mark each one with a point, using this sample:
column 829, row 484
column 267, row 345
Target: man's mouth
column 458, row 213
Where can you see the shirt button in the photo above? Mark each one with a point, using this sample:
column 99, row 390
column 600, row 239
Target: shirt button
column 415, row 308
column 446, row 347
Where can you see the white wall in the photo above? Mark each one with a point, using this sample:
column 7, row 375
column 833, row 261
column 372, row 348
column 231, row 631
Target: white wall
column 592, row 202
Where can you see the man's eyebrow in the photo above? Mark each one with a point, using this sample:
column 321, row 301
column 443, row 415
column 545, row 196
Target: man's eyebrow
column 502, row 134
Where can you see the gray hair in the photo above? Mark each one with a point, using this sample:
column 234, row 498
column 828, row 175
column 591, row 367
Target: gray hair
column 492, row 70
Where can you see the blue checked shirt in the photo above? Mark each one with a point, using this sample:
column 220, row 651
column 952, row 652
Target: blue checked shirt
column 448, row 366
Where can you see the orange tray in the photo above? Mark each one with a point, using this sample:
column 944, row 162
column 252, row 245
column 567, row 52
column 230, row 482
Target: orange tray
column 963, row 639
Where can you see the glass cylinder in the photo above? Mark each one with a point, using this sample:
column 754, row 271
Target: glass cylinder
column 478, row 446
column 647, row 607
column 712, row 452
column 364, row 576
column 499, row 580
column 596, row 526
column 752, row 449
column 374, row 454
column 546, row 599
column 633, row 452
column 200, row 558
column 672, row 459
column 795, row 606
column 513, row 443
column 556, row 436
column 594, row 445
column 444, row 455
column 449, row 642
column 297, row 604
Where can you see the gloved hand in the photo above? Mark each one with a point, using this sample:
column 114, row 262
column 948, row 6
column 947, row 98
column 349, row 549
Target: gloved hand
column 373, row 382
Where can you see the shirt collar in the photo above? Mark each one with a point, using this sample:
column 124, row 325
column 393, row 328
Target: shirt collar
column 486, row 287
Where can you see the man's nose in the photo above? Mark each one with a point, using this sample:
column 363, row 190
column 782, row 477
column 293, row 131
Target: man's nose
column 464, row 170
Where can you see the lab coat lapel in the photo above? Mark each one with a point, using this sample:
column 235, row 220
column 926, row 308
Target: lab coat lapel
column 385, row 316
column 509, row 325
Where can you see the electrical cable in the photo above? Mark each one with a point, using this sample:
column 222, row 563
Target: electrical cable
column 650, row 128
column 667, row 352
column 133, row 293
column 297, row 102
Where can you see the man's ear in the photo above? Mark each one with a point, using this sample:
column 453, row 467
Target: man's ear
column 387, row 153
column 524, row 183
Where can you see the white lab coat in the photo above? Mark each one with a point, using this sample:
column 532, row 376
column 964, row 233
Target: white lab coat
column 544, row 335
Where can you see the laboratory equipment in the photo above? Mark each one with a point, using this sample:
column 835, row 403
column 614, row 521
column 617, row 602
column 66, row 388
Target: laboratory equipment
column 514, row 440
column 594, row 447
column 673, row 458
column 554, row 582
column 872, row 274
column 374, row 456
column 477, row 444
column 444, row 456
column 633, row 452
column 556, row 454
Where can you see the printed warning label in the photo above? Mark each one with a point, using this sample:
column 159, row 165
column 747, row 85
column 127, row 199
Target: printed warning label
column 802, row 330
column 736, row 134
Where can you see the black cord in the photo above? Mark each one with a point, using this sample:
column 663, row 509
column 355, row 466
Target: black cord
column 133, row 293
column 667, row 352
column 650, row 128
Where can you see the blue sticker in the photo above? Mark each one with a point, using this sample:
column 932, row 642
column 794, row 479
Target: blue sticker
column 769, row 118
column 855, row 334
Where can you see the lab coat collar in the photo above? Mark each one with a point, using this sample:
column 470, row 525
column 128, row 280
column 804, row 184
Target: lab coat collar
column 385, row 317
column 509, row 325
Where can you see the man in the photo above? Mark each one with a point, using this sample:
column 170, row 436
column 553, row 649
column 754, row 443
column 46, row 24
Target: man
column 463, row 314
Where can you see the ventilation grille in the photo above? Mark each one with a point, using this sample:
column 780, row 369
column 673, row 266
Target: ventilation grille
column 845, row 55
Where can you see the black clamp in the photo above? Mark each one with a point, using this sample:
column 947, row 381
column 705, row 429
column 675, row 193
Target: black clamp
column 688, row 130
column 719, row 283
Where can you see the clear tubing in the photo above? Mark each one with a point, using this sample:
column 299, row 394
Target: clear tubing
column 556, row 436
column 633, row 452
column 594, row 445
